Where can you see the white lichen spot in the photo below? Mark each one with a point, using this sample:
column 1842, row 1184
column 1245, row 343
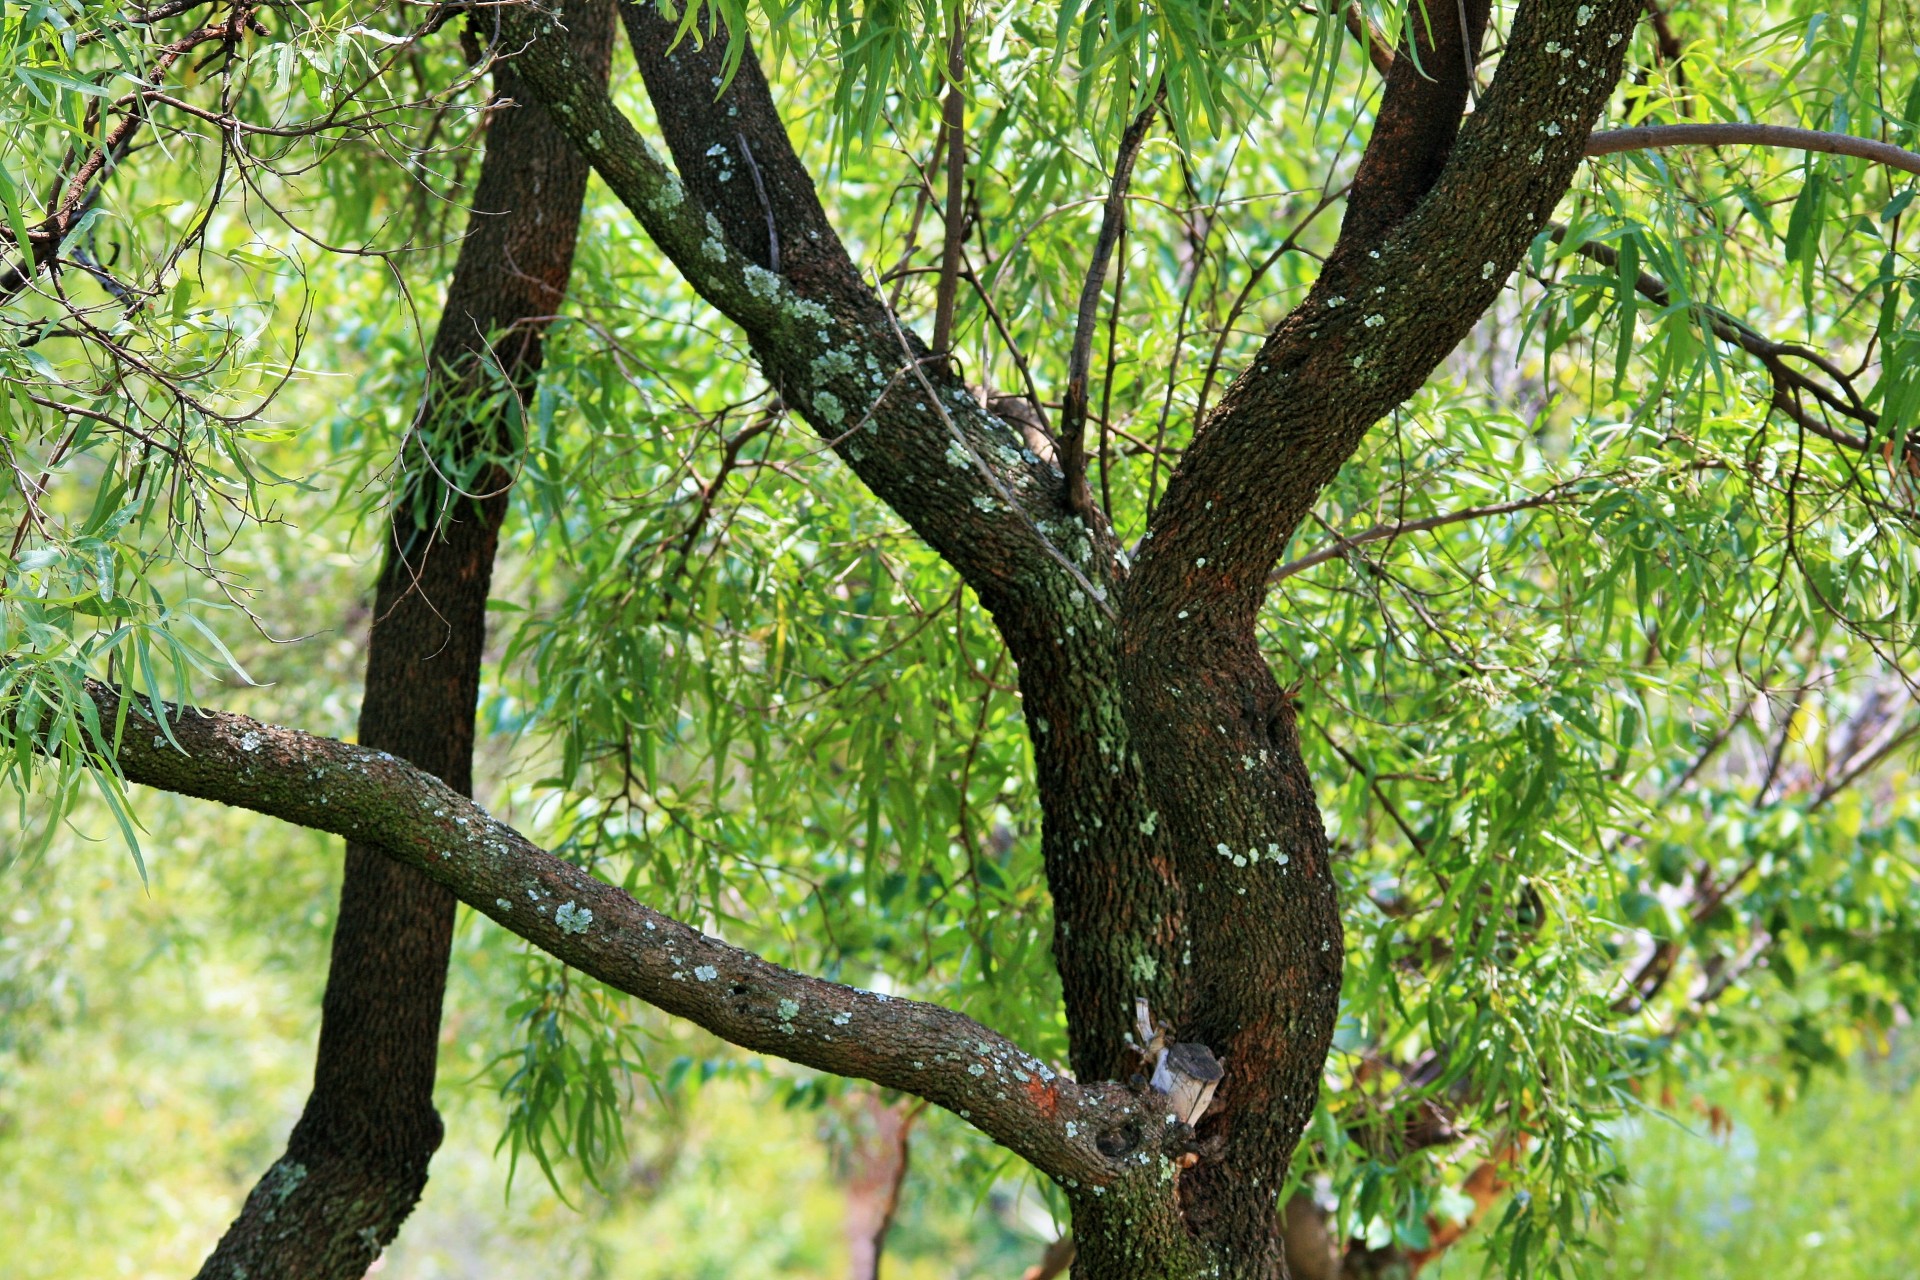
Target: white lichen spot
column 595, row 141
column 842, row 1019
column 976, row 1070
column 828, row 406
column 1486, row 270
column 1551, row 128
column 1375, row 320
column 572, row 919
column 1613, row 40
column 761, row 283
column 1073, row 1129
column 1223, row 850
column 1583, row 15
column 706, row 973
column 1150, row 822
column 1337, row 300
column 249, row 741
column 957, row 456
column 986, row 503
column 787, row 1010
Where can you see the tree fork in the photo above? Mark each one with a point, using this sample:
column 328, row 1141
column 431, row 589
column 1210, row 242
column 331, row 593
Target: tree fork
column 356, row 1162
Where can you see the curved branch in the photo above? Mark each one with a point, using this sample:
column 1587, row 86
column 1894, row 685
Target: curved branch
column 1651, row 136
column 373, row 798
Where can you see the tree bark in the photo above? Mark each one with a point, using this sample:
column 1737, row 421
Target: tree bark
column 356, row 1162
column 1183, row 843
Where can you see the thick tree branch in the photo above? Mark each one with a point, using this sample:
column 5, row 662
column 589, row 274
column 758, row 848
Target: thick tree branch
column 373, row 798
column 824, row 337
column 1440, row 214
column 965, row 480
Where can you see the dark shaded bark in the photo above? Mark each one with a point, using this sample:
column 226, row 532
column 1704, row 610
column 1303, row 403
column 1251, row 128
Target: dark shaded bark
column 1116, row 902
column 357, row 1160
column 1184, row 847
column 1074, row 1131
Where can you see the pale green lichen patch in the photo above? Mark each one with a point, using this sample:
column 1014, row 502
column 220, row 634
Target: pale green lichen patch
column 571, row 918
column 829, row 364
column 761, row 283
column 788, row 1010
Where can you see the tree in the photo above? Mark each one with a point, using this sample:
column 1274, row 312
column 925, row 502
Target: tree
column 1194, row 896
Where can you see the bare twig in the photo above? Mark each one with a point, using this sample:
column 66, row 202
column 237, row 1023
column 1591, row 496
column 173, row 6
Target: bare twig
column 1073, row 411
column 953, row 130
column 1380, row 531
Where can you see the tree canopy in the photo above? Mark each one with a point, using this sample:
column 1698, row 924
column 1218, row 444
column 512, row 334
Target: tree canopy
column 999, row 484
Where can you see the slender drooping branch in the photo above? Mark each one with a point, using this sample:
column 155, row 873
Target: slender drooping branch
column 1771, row 353
column 1113, row 221
column 78, row 192
column 1063, row 1128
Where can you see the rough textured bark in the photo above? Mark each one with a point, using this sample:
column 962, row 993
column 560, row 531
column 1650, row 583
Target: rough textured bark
column 357, row 1160
column 1184, row 848
column 1087, row 1134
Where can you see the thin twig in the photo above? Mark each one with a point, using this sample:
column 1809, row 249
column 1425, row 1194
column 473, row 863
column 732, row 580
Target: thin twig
column 1073, row 411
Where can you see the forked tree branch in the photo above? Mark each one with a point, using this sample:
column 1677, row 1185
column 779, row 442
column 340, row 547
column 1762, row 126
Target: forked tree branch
column 823, row 336
column 373, row 798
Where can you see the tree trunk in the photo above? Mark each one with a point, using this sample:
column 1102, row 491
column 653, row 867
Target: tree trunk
column 1183, row 844
column 357, row 1160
